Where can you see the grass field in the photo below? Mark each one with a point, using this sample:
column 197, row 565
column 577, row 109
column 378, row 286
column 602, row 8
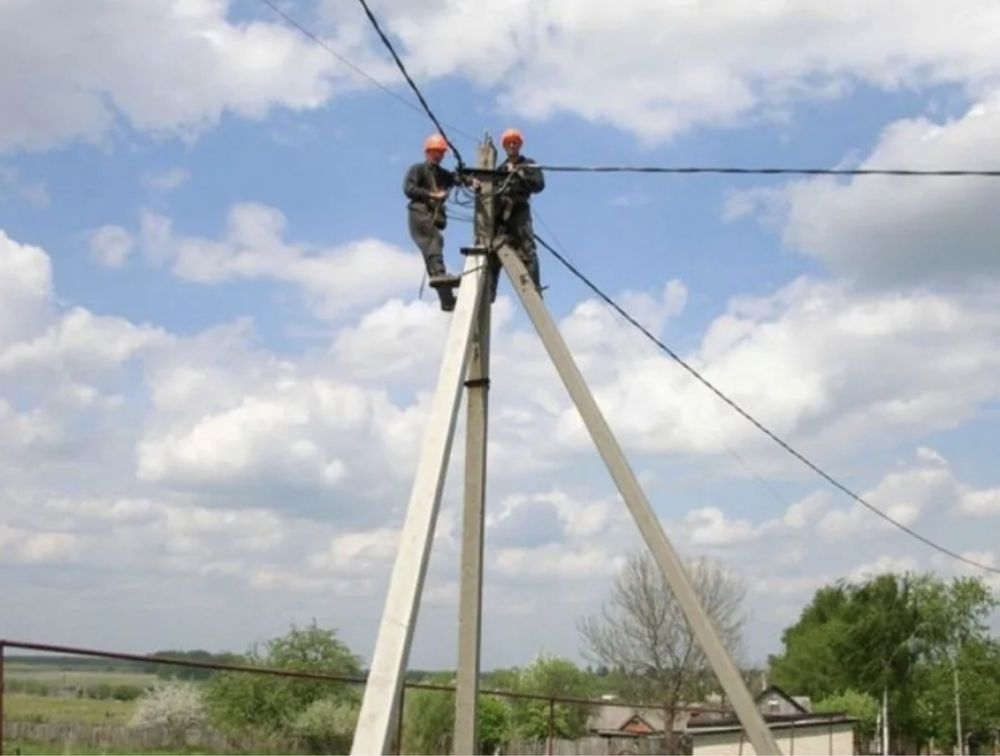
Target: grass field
column 26, row 708
column 76, row 678
column 52, row 749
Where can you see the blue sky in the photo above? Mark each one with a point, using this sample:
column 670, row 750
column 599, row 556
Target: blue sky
column 215, row 368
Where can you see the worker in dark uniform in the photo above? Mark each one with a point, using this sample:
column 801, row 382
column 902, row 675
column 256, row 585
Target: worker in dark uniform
column 519, row 180
column 426, row 186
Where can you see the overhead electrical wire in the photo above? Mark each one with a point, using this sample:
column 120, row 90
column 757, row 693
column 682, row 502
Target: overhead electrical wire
column 409, row 80
column 761, row 479
column 756, row 423
column 425, row 109
column 631, row 320
column 768, row 171
column 357, row 69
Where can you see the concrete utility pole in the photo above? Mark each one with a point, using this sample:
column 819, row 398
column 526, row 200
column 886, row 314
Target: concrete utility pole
column 467, row 354
column 470, row 605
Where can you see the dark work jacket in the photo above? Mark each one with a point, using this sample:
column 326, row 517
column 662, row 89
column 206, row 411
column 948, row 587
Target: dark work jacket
column 422, row 179
column 526, row 182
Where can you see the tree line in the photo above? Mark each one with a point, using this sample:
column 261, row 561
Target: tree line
column 920, row 644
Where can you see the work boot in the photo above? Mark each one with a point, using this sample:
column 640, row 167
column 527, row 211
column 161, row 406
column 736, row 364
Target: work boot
column 444, row 281
column 447, row 300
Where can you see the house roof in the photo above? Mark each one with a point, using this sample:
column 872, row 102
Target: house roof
column 773, row 690
column 786, row 722
column 614, row 718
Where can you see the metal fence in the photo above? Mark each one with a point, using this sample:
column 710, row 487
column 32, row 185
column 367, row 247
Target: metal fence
column 549, row 746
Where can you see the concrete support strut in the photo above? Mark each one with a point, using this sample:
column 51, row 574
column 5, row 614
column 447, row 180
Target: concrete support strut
column 395, row 633
column 645, row 518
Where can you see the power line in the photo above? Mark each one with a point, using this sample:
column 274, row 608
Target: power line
column 756, row 423
column 763, row 481
column 612, row 303
column 355, row 68
column 766, row 171
column 413, row 86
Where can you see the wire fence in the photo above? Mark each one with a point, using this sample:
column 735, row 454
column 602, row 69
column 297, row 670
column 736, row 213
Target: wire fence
column 554, row 706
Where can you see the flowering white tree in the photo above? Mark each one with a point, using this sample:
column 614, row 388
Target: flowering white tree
column 175, row 705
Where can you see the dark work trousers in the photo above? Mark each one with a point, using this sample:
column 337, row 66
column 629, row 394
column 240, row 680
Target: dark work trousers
column 428, row 239
column 520, row 235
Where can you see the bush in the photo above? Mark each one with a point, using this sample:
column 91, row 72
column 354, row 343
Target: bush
column 327, row 726
column 28, row 687
column 101, row 692
column 126, row 692
column 248, row 704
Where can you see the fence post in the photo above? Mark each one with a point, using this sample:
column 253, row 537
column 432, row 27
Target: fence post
column 552, row 726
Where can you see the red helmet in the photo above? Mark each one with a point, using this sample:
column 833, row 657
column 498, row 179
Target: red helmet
column 435, row 142
column 511, row 135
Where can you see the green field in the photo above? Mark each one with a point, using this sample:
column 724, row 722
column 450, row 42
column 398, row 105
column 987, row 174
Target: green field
column 76, row 678
column 51, row 749
column 27, row 708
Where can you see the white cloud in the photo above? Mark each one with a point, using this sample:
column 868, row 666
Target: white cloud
column 925, row 454
column 665, row 67
column 357, row 551
column 981, row 503
column 787, row 585
column 25, row 288
column 892, row 232
column 803, row 513
column 371, row 348
column 22, row 546
column 163, row 66
column 138, row 534
column 883, row 565
column 176, row 67
column 818, row 363
column 904, row 496
column 709, row 526
column 219, row 464
column 335, row 280
column 110, row 246
column 290, row 433
column 166, row 181
column 555, row 561
column 88, row 343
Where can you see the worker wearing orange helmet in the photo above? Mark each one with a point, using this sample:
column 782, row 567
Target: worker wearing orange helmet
column 426, row 186
column 515, row 211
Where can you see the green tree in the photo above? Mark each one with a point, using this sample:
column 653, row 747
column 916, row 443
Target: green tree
column 861, row 706
column 811, row 664
column 556, row 677
column 900, row 635
column 171, row 671
column 255, row 704
column 977, row 668
column 429, row 720
column 494, row 723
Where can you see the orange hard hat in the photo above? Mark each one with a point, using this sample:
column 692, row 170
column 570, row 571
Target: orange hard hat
column 435, row 142
column 511, row 135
